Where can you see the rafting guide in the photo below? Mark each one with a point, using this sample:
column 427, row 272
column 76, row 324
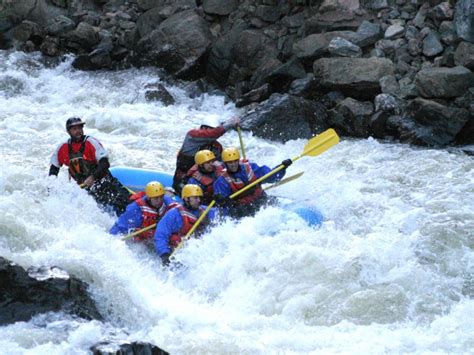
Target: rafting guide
column 88, row 164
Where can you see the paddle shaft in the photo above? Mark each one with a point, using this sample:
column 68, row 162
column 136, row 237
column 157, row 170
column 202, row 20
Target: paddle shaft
column 131, row 235
column 241, row 142
column 284, row 181
column 322, row 141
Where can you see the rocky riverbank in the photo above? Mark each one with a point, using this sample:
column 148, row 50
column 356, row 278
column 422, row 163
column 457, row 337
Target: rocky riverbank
column 397, row 69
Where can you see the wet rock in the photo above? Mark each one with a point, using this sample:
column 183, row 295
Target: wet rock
column 117, row 347
column 434, row 124
column 284, row 117
column 444, row 82
column 157, row 92
column 50, row 46
column 351, row 117
column 25, row 293
column 219, row 7
column 355, row 77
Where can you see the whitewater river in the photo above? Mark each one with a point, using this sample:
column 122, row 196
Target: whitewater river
column 391, row 270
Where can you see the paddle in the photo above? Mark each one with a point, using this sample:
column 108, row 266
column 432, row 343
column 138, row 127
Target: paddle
column 284, row 181
column 241, row 142
column 315, row 146
column 131, row 235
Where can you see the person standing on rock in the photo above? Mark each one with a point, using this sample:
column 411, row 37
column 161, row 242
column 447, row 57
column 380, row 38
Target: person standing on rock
column 198, row 139
column 88, row 164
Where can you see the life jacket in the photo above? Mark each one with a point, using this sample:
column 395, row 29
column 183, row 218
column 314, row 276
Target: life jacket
column 188, row 221
column 206, row 179
column 236, row 184
column 185, row 162
column 150, row 215
column 79, row 167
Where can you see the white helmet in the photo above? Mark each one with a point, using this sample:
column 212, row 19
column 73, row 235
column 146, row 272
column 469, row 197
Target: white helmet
column 210, row 121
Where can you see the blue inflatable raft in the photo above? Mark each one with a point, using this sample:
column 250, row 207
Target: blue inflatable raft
column 136, row 179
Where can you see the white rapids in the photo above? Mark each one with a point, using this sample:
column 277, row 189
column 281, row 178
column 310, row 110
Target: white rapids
column 391, row 270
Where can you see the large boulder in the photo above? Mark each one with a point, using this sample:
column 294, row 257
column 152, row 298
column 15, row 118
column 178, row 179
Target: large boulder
column 25, row 293
column 351, row 117
column 284, row 117
column 464, row 55
column 355, row 77
column 179, row 44
column 444, row 82
column 117, row 347
column 434, row 124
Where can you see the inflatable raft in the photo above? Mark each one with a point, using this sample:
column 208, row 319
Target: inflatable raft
column 136, row 179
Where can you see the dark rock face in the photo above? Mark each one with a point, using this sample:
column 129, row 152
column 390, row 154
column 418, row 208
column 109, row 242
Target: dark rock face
column 126, row 348
column 25, row 293
column 178, row 44
column 252, row 49
column 157, row 92
column 435, row 124
column 285, row 117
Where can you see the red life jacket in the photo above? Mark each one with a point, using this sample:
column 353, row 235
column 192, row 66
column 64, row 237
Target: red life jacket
column 79, row 167
column 206, row 179
column 150, row 215
column 250, row 195
column 188, row 221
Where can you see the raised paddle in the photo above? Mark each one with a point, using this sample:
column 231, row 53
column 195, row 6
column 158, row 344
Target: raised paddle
column 241, row 142
column 284, row 181
column 315, row 146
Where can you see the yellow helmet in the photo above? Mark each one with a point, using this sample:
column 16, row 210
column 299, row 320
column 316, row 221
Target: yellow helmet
column 191, row 190
column 154, row 189
column 230, row 154
column 203, row 156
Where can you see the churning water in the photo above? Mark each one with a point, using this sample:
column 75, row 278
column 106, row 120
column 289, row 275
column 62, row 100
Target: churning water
column 391, row 270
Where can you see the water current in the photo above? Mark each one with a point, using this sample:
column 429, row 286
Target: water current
column 391, row 270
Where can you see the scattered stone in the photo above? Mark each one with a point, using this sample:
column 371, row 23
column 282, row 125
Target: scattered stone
column 444, row 82
column 340, row 47
column 464, row 55
column 431, row 45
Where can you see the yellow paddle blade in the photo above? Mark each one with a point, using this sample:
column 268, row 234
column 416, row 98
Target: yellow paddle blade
column 284, row 181
column 321, row 143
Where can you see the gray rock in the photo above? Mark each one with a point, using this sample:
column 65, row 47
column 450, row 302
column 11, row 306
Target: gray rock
column 464, row 19
column 148, row 4
column 351, row 117
column 26, row 293
column 408, row 89
column 281, row 77
column 268, row 13
column 431, row 45
column 356, row 77
column 389, row 85
column 441, row 12
column 394, row 31
column 444, row 82
column 386, row 103
column 340, row 47
column 368, row 33
column 178, row 44
column 157, row 92
column 435, row 124
column 464, row 55
column 28, row 30
column 117, row 347
column 284, row 117
column 60, row 25
column 419, row 20
column 50, row 46
column 305, row 87
column 256, row 95
column 149, row 21
column 219, row 7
